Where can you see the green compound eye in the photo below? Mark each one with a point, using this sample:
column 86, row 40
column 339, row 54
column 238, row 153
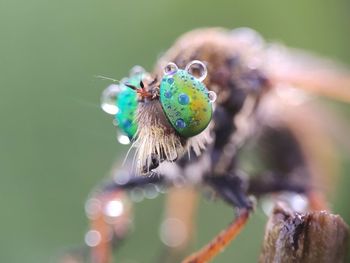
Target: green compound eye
column 121, row 101
column 186, row 101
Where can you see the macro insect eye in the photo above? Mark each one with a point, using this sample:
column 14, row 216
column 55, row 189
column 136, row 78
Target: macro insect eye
column 185, row 100
column 121, row 101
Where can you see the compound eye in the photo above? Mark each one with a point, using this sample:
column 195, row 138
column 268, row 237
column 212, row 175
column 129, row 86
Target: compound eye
column 121, row 101
column 185, row 100
column 126, row 116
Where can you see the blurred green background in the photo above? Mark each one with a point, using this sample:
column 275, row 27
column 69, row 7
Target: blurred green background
column 56, row 143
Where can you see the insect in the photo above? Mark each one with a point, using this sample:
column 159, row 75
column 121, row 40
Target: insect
column 212, row 95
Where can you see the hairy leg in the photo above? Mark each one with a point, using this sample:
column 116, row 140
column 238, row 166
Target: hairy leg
column 109, row 211
column 231, row 188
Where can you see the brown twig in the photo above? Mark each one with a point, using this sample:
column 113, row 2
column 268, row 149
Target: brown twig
column 312, row 237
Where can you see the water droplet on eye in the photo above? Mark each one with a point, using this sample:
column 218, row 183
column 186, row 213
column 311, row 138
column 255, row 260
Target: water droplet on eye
column 180, row 123
column 108, row 99
column 136, row 70
column 122, row 138
column 170, row 69
column 212, row 96
column 197, row 69
column 183, row 99
column 168, row 94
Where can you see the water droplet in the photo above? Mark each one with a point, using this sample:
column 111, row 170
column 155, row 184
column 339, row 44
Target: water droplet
column 108, row 99
column 180, row 123
column 212, row 96
column 136, row 70
column 170, row 69
column 168, row 94
column 114, row 208
column 173, row 232
column 151, row 191
column 123, row 139
column 92, row 208
column 93, row 238
column 183, row 99
column 197, row 69
column 137, row 194
column 121, row 177
column 161, row 189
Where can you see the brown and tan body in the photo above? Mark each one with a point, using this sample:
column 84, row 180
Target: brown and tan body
column 262, row 100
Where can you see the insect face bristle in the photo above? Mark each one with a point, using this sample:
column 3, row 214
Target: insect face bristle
column 156, row 139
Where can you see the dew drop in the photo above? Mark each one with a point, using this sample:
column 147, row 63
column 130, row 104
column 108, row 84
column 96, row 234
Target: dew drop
column 212, row 96
column 151, row 191
column 173, row 232
column 197, row 69
column 137, row 194
column 93, row 238
column 180, row 123
column 183, row 99
column 136, row 70
column 108, row 99
column 122, row 138
column 168, row 94
column 92, row 208
column 170, row 69
column 114, row 208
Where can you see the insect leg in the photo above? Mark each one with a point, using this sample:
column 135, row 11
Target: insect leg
column 109, row 211
column 231, row 189
column 288, row 168
column 178, row 227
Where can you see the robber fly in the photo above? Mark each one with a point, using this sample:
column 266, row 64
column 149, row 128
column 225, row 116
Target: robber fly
column 213, row 94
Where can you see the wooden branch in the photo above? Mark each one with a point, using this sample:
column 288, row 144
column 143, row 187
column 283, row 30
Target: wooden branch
column 318, row 237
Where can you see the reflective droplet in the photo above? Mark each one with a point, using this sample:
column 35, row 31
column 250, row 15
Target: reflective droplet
column 162, row 189
column 173, row 232
column 93, row 238
column 197, row 69
column 136, row 70
column 168, row 94
column 137, row 194
column 123, row 139
column 183, row 99
column 180, row 123
column 151, row 191
column 108, row 99
column 121, row 178
column 92, row 207
column 114, row 208
column 212, row 96
column 170, row 69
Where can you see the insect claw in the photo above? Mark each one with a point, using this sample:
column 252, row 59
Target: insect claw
column 151, row 163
